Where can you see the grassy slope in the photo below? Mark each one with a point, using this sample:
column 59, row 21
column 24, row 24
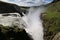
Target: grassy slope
column 52, row 18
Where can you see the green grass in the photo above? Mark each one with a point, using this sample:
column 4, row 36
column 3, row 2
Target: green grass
column 51, row 20
column 53, row 16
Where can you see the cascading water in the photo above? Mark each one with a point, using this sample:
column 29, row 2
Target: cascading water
column 11, row 19
column 32, row 19
column 34, row 23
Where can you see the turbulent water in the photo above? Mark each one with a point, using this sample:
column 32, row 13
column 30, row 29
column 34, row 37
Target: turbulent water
column 11, row 19
column 34, row 23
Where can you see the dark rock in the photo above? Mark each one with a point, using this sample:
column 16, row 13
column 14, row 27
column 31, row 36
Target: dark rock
column 9, row 8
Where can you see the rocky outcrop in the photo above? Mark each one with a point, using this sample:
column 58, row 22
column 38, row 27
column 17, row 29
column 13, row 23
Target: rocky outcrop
column 57, row 36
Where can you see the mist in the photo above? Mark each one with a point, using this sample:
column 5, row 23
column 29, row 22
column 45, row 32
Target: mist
column 34, row 23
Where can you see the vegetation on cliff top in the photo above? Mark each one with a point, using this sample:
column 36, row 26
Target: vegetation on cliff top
column 52, row 20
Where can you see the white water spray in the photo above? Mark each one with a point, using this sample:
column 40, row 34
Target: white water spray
column 34, row 23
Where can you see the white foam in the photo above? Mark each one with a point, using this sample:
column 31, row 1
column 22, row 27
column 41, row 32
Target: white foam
column 11, row 20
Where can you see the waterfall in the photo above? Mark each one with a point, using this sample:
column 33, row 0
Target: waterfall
column 32, row 19
column 34, row 23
